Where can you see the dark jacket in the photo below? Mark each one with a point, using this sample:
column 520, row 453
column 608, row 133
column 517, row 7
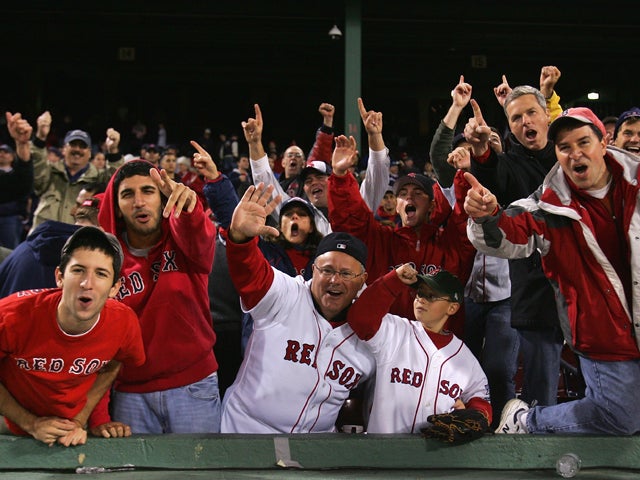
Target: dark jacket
column 510, row 176
column 32, row 264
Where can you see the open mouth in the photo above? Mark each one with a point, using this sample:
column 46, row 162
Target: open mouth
column 316, row 191
column 295, row 229
column 530, row 134
column 410, row 210
column 580, row 169
column 84, row 300
column 142, row 217
column 633, row 149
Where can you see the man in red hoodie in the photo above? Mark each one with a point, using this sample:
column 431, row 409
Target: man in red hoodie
column 168, row 245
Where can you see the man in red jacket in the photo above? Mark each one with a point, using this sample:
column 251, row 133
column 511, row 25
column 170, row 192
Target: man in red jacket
column 168, row 245
column 584, row 220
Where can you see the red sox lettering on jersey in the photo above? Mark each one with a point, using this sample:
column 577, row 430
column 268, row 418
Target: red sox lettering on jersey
column 79, row 366
column 133, row 283
column 338, row 370
column 408, row 377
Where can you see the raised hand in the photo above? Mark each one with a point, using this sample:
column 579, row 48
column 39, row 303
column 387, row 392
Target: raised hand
column 19, row 128
column 112, row 141
column 461, row 94
column 203, row 162
column 179, row 195
column 43, row 125
column 327, row 111
column 460, row 158
column 250, row 215
column 407, row 274
column 549, row 76
column 252, row 128
column 476, row 131
column 502, row 90
column 344, row 155
column 372, row 120
column 480, row 202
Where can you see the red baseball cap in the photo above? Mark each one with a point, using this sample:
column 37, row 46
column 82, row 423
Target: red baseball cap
column 582, row 114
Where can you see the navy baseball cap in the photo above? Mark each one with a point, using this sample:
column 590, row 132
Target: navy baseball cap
column 444, row 283
column 292, row 202
column 6, row 148
column 345, row 243
column 632, row 113
column 78, row 135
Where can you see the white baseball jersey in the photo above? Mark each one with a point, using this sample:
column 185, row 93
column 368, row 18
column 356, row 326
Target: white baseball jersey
column 297, row 370
column 414, row 379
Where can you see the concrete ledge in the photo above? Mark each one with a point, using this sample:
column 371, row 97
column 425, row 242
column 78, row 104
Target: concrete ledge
column 325, row 451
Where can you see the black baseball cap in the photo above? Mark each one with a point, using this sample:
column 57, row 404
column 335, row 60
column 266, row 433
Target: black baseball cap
column 345, row 243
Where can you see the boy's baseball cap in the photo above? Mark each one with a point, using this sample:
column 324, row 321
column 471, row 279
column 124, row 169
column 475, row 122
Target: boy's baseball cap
column 632, row 113
column 444, row 283
column 95, row 236
column 345, row 243
column 421, row 181
column 78, row 135
column 582, row 114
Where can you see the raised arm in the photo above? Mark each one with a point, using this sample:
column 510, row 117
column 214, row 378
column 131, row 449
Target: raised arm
column 549, row 76
column 376, row 180
column 261, row 171
column 219, row 191
column 442, row 139
column 366, row 314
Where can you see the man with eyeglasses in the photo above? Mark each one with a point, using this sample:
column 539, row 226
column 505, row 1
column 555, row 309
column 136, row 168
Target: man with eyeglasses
column 303, row 359
column 426, row 379
column 58, row 184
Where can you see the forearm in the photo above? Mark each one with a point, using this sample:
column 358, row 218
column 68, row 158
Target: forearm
column 256, row 150
column 366, row 314
column 376, row 181
column 376, row 142
column 104, row 379
column 10, row 408
column 438, row 153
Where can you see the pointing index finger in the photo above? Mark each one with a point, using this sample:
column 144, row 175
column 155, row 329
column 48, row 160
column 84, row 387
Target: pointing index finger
column 504, row 79
column 477, row 113
column 258, row 113
column 473, row 181
column 197, row 146
column 363, row 111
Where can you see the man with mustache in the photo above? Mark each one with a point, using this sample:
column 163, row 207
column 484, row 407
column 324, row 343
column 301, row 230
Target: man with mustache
column 58, row 184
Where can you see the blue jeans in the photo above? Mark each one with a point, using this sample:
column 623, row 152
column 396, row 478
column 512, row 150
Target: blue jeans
column 193, row 408
column 490, row 337
column 610, row 405
column 540, row 350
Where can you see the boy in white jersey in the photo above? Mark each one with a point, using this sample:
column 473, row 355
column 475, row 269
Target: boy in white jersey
column 426, row 378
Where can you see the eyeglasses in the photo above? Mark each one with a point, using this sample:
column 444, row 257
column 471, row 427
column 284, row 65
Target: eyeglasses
column 296, row 155
column 430, row 297
column 328, row 272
